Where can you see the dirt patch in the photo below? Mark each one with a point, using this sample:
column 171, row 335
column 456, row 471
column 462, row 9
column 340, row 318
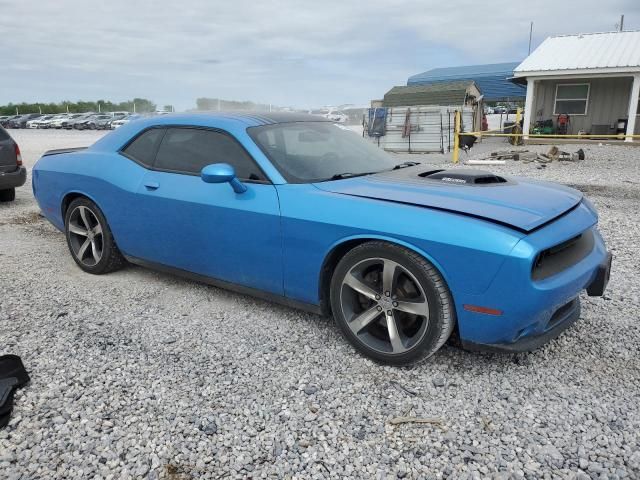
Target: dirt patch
column 609, row 191
column 28, row 218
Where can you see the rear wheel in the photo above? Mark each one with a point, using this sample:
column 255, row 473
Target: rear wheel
column 391, row 303
column 8, row 195
column 90, row 239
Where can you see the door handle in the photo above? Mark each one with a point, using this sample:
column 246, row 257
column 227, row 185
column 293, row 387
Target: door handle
column 152, row 185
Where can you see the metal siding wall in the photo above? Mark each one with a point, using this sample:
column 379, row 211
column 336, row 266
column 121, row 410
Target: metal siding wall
column 426, row 132
column 608, row 101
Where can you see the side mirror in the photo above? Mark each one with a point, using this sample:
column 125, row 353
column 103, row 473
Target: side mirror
column 222, row 173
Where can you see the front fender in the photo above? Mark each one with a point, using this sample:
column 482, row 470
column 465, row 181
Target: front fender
column 361, row 238
column 467, row 251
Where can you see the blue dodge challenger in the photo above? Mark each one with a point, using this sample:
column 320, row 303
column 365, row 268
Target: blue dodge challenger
column 302, row 211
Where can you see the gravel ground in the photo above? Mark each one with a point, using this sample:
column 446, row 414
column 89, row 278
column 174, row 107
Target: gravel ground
column 143, row 375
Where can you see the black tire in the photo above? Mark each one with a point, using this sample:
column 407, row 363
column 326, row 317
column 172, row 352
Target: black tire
column 8, row 195
column 109, row 258
column 429, row 335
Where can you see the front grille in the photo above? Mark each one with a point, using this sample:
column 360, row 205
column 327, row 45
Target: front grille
column 562, row 256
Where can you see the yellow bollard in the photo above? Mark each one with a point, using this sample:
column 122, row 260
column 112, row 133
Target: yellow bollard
column 456, row 139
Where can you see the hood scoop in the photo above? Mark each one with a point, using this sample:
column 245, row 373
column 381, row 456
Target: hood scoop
column 464, row 177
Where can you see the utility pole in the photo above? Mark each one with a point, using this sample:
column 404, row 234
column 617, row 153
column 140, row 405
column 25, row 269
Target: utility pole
column 530, row 36
column 621, row 23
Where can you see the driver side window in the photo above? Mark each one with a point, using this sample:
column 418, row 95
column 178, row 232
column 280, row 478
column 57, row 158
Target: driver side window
column 188, row 150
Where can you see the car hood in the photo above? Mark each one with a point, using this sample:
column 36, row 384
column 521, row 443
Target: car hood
column 519, row 203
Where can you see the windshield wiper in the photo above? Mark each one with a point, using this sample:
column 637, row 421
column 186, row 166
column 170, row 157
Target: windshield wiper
column 340, row 176
column 405, row 164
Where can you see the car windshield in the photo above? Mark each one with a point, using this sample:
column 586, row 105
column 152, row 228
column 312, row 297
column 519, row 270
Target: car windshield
column 307, row 152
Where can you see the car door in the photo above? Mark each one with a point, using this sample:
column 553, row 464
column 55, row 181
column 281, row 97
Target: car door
column 207, row 228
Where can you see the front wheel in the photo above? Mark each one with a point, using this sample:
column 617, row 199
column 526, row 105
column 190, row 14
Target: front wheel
column 391, row 304
column 90, row 239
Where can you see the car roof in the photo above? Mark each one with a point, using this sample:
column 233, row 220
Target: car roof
column 248, row 119
column 230, row 121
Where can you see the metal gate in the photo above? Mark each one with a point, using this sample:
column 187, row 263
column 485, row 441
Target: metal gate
column 420, row 129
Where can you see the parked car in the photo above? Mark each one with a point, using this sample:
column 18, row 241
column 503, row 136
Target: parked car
column 104, row 123
column 94, row 122
column 336, row 116
column 114, row 116
column 296, row 209
column 81, row 122
column 48, row 123
column 64, row 117
column 5, row 122
column 12, row 173
column 38, row 122
column 124, row 120
column 73, row 119
column 21, row 121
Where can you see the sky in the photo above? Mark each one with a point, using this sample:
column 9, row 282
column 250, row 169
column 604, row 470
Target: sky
column 294, row 53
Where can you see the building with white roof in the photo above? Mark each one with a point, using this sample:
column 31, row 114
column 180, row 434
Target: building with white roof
column 593, row 78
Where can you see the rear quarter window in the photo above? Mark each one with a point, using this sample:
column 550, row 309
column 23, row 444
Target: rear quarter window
column 144, row 147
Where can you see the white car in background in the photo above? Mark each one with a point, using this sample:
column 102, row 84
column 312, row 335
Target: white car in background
column 36, row 122
column 336, row 116
column 57, row 123
column 118, row 123
column 47, row 123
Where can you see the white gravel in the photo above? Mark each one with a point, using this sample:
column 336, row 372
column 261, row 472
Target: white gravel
column 142, row 375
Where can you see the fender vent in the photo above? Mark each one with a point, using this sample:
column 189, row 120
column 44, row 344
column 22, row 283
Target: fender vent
column 464, row 177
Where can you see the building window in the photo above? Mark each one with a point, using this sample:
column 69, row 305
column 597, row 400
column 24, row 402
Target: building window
column 571, row 98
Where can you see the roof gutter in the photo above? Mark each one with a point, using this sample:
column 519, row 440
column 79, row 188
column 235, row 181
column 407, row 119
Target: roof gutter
column 580, row 72
column 518, row 80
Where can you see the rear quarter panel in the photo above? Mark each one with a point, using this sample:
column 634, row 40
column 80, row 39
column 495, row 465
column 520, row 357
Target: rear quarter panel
column 109, row 179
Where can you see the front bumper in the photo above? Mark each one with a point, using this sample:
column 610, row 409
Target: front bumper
column 532, row 312
column 564, row 317
column 13, row 179
column 597, row 287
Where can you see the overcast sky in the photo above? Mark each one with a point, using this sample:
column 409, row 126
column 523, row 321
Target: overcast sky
column 286, row 52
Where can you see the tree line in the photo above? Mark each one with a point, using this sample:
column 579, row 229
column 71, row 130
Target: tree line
column 140, row 105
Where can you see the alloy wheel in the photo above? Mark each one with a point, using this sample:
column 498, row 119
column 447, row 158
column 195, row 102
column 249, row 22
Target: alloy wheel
column 384, row 305
column 85, row 236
